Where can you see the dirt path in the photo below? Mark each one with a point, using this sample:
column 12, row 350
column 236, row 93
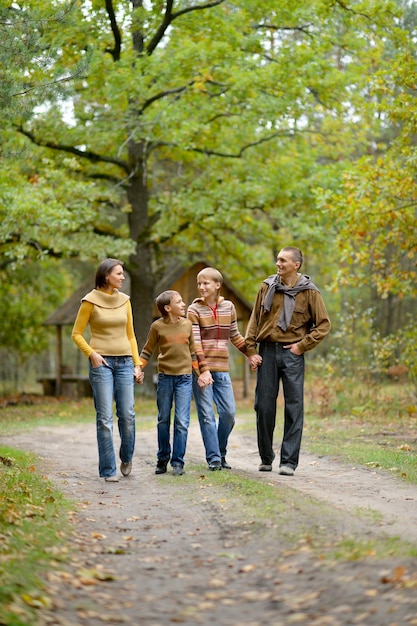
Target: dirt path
column 157, row 550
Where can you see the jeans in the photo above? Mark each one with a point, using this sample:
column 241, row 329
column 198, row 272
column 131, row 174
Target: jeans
column 177, row 389
column 279, row 363
column 220, row 394
column 108, row 382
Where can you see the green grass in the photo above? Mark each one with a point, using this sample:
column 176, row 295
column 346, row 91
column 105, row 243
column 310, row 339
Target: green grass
column 32, row 532
column 369, row 425
column 256, row 507
column 52, row 412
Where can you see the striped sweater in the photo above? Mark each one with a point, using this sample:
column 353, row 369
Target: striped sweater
column 212, row 329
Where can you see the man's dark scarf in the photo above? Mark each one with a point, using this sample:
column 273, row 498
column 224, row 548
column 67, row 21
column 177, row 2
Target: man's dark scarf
column 275, row 285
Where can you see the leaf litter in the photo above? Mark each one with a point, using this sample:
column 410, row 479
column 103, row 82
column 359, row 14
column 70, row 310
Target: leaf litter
column 149, row 551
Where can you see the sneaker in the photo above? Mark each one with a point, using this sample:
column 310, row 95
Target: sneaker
column 177, row 470
column 215, row 466
column 161, row 467
column 126, row 468
column 225, row 464
column 111, row 479
column 265, row 467
column 286, row 470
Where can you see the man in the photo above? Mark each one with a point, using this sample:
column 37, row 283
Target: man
column 289, row 317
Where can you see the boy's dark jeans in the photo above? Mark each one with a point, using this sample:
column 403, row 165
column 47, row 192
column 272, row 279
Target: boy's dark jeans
column 279, row 363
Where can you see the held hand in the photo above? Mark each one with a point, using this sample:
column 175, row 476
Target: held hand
column 205, row 379
column 293, row 347
column 97, row 360
column 138, row 375
column 255, row 361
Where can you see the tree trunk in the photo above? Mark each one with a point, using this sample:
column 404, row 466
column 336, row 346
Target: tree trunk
column 140, row 263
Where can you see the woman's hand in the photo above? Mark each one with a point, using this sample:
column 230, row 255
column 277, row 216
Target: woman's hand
column 97, row 360
column 138, row 375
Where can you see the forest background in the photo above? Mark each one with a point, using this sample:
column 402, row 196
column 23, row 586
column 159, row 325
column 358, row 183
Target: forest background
column 170, row 131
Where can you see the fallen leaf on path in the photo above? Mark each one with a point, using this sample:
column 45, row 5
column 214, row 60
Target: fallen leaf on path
column 371, row 593
column 245, row 569
column 36, row 601
column 396, row 577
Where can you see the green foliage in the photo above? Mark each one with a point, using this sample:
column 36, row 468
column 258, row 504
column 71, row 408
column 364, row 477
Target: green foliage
column 28, row 56
column 374, row 208
column 222, row 130
column 23, row 311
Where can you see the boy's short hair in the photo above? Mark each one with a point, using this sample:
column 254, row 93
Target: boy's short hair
column 164, row 300
column 212, row 273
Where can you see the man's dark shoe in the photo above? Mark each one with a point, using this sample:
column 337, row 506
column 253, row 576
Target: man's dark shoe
column 161, row 467
column 225, row 464
column 265, row 467
column 286, row 470
column 215, row 466
column 177, row 470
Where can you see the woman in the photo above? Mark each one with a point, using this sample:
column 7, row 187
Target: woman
column 114, row 364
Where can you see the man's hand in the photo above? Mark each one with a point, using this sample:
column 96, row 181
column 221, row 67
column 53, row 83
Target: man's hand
column 255, row 361
column 293, row 347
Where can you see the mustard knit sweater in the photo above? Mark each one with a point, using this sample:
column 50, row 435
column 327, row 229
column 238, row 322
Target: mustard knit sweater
column 110, row 318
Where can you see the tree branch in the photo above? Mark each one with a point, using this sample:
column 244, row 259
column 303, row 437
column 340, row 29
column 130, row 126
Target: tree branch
column 169, row 17
column 115, row 51
column 93, row 157
column 162, row 94
column 301, row 29
column 346, row 8
column 50, row 84
column 239, row 154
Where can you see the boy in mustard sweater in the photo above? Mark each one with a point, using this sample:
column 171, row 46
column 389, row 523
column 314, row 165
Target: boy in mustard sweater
column 172, row 337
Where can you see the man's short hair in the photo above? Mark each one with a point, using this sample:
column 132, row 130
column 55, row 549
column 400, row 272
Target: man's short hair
column 296, row 254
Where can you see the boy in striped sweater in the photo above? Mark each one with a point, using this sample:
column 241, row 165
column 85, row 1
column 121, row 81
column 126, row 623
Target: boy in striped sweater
column 214, row 323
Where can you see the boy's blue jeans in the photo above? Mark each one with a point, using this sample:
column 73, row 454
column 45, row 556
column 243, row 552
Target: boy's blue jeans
column 220, row 394
column 279, row 363
column 173, row 389
column 107, row 382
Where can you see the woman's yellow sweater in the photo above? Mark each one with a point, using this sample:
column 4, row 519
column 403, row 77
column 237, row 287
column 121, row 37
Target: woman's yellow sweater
column 111, row 324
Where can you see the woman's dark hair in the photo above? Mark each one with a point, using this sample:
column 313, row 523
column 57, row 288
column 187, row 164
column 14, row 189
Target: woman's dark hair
column 104, row 269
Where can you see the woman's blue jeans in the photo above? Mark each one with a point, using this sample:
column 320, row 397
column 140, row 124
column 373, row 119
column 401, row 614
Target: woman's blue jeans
column 107, row 382
column 279, row 363
column 219, row 394
column 173, row 389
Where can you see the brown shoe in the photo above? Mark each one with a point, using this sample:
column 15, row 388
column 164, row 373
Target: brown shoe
column 126, row 468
